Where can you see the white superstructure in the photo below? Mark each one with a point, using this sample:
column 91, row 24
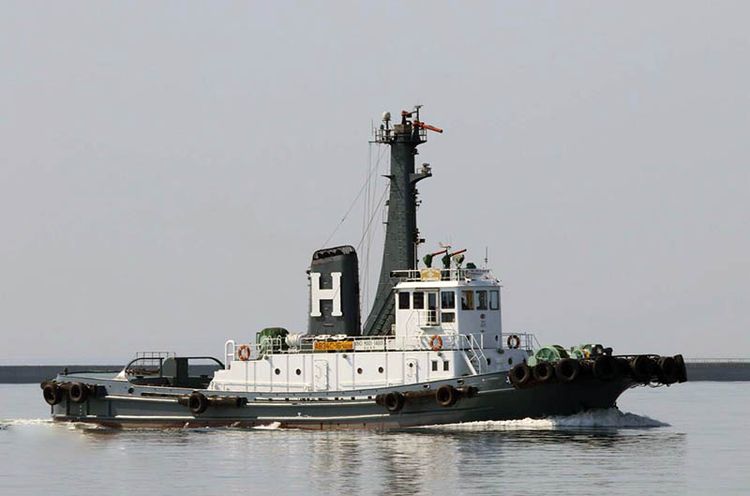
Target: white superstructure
column 448, row 325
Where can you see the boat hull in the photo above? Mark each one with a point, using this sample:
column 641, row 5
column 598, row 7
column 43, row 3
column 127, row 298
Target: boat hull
column 122, row 405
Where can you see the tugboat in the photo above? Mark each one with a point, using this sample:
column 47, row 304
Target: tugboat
column 431, row 351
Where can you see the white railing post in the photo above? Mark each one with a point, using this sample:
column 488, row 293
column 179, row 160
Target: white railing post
column 228, row 355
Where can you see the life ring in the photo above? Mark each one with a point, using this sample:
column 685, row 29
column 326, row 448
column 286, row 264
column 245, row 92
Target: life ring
column 514, row 342
column 436, row 343
column 243, row 353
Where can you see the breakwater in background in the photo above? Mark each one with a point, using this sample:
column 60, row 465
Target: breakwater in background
column 25, row 374
column 697, row 369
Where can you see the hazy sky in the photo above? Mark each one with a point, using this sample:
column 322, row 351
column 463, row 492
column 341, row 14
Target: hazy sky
column 168, row 168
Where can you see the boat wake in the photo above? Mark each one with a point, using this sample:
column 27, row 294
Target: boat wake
column 270, row 427
column 7, row 423
column 611, row 418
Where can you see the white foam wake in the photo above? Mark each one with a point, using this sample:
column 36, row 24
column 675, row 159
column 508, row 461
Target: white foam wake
column 5, row 423
column 594, row 419
column 269, row 427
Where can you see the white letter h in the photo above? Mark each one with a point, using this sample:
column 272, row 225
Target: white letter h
column 317, row 294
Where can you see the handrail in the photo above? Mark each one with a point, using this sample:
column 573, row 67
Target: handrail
column 476, row 350
column 229, row 356
column 344, row 343
column 151, row 360
column 476, row 274
column 528, row 340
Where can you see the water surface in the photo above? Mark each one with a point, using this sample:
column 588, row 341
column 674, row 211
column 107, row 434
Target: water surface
column 689, row 439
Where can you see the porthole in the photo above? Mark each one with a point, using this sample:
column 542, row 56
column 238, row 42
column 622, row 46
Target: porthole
column 510, row 361
column 411, row 365
column 277, row 371
column 298, row 372
column 359, row 370
column 380, row 369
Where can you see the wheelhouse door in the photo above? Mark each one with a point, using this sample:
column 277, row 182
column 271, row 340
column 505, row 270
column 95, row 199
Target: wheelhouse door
column 432, row 308
column 320, row 375
column 412, row 371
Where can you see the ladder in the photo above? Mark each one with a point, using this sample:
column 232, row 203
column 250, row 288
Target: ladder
column 477, row 360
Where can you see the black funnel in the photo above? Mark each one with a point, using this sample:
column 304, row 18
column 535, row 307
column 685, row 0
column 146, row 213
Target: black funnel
column 334, row 292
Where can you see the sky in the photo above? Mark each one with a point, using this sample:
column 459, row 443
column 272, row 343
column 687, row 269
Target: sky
column 168, row 168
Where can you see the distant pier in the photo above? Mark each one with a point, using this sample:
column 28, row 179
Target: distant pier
column 698, row 369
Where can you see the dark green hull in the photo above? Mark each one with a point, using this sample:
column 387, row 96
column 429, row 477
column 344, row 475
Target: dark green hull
column 119, row 404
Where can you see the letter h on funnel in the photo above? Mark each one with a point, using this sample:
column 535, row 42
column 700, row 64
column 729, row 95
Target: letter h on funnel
column 317, row 294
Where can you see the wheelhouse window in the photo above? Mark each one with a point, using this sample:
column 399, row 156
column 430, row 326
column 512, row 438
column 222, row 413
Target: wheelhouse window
column 418, row 303
column 467, row 300
column 494, row 300
column 447, row 300
column 403, row 300
column 448, row 317
column 482, row 300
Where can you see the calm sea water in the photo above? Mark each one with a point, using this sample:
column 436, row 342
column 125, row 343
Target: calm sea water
column 689, row 439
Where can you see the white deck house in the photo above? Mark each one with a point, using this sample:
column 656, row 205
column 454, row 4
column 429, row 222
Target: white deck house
column 448, row 325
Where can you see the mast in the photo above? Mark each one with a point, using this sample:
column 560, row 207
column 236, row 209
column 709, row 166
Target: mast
column 402, row 235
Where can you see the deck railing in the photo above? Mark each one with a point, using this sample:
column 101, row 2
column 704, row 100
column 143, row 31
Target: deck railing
column 342, row 343
column 462, row 274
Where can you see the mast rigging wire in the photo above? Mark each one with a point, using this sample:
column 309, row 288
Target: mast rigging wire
column 351, row 206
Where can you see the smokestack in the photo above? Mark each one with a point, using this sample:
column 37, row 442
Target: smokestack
column 334, row 292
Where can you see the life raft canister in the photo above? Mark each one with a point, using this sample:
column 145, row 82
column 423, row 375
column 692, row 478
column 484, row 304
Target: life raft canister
column 436, row 343
column 514, row 342
column 243, row 353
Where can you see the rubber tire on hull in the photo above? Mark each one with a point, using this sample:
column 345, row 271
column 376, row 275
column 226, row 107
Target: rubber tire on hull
column 394, row 401
column 667, row 370
column 605, row 368
column 681, row 370
column 197, row 402
column 520, row 375
column 543, row 372
column 446, row 395
column 642, row 368
column 567, row 369
column 78, row 392
column 52, row 393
